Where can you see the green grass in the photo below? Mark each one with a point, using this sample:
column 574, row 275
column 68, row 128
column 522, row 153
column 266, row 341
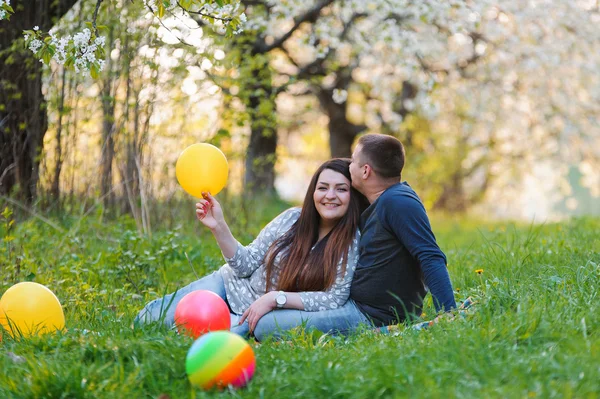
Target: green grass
column 533, row 333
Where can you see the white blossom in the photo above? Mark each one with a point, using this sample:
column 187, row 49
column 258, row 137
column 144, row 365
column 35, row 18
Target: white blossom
column 480, row 69
column 339, row 96
column 4, row 9
column 81, row 47
column 35, row 45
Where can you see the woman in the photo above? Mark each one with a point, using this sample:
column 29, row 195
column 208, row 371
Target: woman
column 303, row 259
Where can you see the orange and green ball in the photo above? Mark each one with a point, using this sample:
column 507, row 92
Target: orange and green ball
column 219, row 359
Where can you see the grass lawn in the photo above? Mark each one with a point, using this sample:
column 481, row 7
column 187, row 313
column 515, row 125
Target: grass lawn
column 533, row 333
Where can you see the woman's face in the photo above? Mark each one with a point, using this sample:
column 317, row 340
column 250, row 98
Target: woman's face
column 332, row 195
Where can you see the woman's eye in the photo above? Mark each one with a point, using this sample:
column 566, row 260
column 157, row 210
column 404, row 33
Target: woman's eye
column 342, row 189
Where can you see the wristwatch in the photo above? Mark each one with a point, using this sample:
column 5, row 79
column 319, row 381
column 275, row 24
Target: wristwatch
column 280, row 299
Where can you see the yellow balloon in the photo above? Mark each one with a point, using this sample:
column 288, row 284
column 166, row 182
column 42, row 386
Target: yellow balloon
column 202, row 168
column 30, row 308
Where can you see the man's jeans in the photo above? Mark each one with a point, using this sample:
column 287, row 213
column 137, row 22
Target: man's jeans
column 342, row 320
column 164, row 308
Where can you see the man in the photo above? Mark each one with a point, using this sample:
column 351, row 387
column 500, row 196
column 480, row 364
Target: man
column 398, row 253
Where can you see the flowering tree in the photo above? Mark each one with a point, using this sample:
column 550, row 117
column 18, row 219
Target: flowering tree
column 321, row 43
column 496, row 91
column 247, row 76
column 23, row 120
column 5, row 9
column 25, row 39
column 531, row 100
column 482, row 87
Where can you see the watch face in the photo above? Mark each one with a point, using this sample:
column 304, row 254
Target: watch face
column 280, row 299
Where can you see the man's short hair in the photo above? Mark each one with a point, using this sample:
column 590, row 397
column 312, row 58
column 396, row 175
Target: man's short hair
column 384, row 153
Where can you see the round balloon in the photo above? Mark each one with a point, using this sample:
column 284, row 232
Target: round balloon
column 220, row 359
column 201, row 311
column 30, row 308
column 202, row 168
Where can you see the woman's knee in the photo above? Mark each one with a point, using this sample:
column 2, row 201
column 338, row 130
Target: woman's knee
column 212, row 282
column 242, row 330
column 164, row 308
column 260, row 331
column 156, row 310
column 260, row 334
column 266, row 328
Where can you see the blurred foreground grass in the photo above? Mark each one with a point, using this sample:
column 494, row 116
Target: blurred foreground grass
column 533, row 333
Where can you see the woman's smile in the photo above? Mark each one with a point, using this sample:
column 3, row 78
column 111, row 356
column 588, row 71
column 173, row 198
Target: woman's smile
column 332, row 195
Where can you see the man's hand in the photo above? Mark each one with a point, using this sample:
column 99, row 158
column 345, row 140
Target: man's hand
column 259, row 308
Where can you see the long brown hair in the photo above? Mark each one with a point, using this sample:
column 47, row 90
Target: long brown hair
column 302, row 269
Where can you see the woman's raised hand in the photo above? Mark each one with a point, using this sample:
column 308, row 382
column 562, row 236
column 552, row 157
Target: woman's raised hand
column 209, row 212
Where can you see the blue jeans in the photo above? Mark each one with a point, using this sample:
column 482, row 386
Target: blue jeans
column 163, row 309
column 342, row 320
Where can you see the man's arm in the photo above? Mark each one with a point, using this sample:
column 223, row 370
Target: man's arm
column 407, row 218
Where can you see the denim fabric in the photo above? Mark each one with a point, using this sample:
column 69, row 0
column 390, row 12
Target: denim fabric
column 342, row 321
column 163, row 309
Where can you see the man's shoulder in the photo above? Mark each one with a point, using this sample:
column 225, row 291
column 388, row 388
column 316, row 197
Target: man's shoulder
column 399, row 195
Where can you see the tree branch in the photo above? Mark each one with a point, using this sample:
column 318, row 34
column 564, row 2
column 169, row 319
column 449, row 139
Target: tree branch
column 310, row 16
column 95, row 17
column 315, row 67
column 204, row 14
column 257, row 3
column 214, row 79
column 461, row 66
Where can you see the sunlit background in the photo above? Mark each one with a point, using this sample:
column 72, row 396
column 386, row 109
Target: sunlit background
column 497, row 103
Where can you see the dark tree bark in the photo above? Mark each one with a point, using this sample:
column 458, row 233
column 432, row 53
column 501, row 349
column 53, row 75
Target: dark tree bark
column 409, row 92
column 23, row 119
column 342, row 132
column 260, row 162
column 261, row 153
column 453, row 198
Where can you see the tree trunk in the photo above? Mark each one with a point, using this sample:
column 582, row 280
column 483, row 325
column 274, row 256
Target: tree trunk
column 342, row 132
column 55, row 189
column 23, row 119
column 409, row 93
column 453, row 198
column 261, row 153
column 260, row 157
column 108, row 127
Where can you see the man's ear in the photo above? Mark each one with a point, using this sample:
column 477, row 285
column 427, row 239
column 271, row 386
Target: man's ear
column 367, row 171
